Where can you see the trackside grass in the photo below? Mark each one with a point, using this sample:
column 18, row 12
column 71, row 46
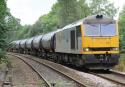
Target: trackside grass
column 121, row 65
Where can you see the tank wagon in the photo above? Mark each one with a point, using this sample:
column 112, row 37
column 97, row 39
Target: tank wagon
column 92, row 42
column 29, row 45
column 22, row 46
column 37, row 45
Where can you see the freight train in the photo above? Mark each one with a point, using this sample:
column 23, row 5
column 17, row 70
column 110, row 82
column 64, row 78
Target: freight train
column 92, row 42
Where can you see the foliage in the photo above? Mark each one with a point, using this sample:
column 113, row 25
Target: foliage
column 122, row 29
column 63, row 12
column 49, row 22
column 83, row 9
column 68, row 12
column 23, row 32
column 13, row 25
column 46, row 23
column 35, row 29
column 8, row 26
column 103, row 7
column 3, row 27
column 121, row 65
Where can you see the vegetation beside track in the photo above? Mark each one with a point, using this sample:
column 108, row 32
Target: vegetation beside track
column 121, row 65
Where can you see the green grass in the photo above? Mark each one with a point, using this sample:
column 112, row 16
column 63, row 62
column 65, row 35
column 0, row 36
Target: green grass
column 121, row 65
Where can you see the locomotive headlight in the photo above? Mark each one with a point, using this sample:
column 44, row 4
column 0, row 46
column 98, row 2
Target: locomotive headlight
column 115, row 49
column 85, row 49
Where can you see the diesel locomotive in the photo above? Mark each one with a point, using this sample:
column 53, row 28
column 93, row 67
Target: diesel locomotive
column 92, row 42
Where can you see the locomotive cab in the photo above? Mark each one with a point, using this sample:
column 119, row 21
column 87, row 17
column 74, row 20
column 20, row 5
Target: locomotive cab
column 100, row 42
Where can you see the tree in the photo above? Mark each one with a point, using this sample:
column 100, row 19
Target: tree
column 3, row 27
column 35, row 29
column 13, row 25
column 64, row 12
column 83, row 9
column 46, row 23
column 68, row 12
column 50, row 21
column 103, row 7
column 23, row 32
column 122, row 29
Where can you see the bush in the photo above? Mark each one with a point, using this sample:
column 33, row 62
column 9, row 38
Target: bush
column 3, row 58
column 121, row 65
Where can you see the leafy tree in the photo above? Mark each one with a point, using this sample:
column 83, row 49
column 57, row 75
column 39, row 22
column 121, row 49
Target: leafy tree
column 62, row 13
column 3, row 27
column 68, row 12
column 122, row 29
column 35, row 29
column 50, row 21
column 46, row 23
column 103, row 7
column 23, row 32
column 13, row 25
column 83, row 9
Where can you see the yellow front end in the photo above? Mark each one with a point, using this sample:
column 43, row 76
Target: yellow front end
column 100, row 42
column 100, row 52
column 100, row 45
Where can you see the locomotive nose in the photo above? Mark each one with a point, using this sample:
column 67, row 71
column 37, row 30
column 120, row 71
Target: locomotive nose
column 101, row 42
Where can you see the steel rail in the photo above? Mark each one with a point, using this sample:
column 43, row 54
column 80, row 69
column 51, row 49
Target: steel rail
column 80, row 83
column 47, row 83
column 108, row 77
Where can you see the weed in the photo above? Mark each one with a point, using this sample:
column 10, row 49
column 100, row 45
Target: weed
column 121, row 65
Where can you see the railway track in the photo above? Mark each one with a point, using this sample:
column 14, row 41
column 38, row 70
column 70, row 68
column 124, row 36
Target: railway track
column 46, row 83
column 28, row 60
column 113, row 76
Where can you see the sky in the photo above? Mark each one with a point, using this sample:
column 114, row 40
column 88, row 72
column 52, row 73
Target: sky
column 28, row 11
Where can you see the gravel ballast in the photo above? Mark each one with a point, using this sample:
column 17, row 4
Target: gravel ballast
column 23, row 75
column 89, row 79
